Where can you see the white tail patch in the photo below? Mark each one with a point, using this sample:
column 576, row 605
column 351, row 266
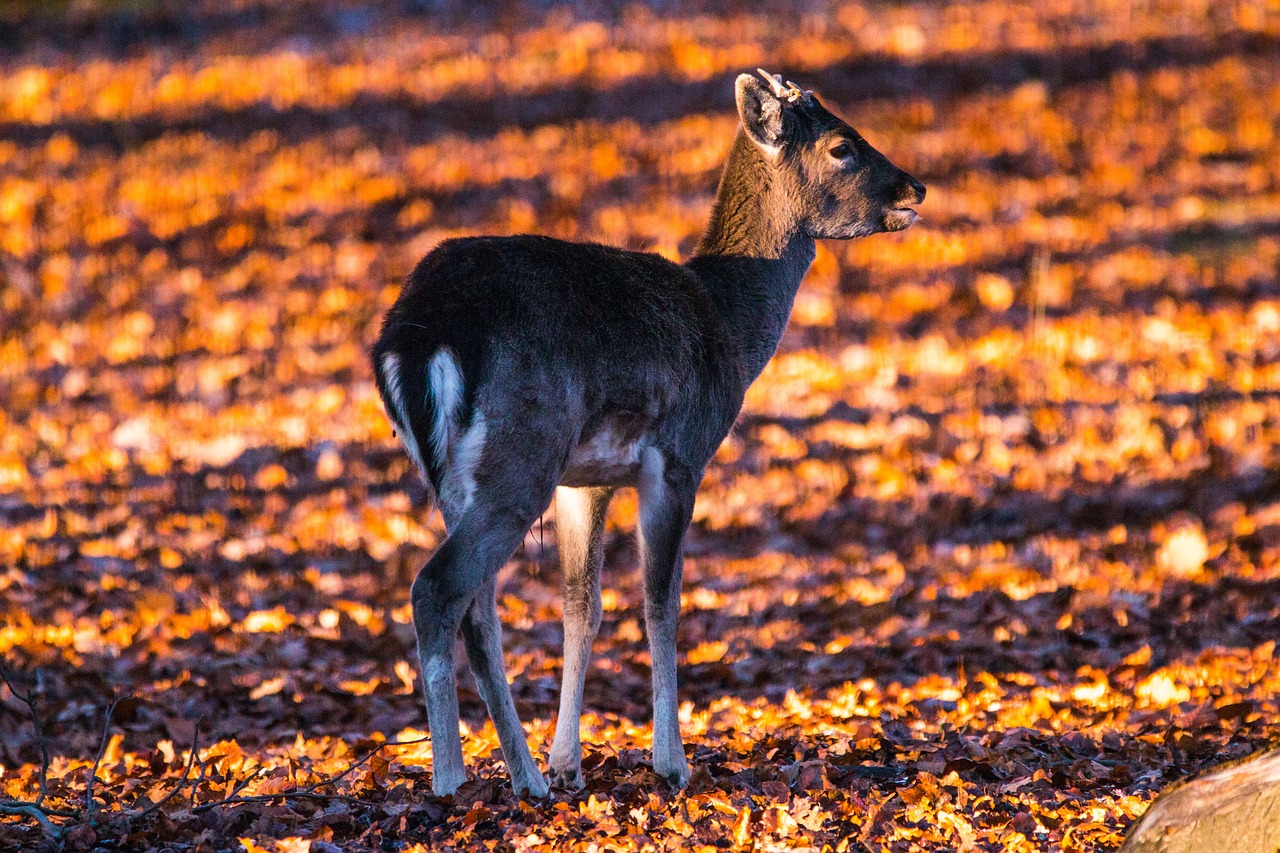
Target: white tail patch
column 395, row 391
column 455, row 455
column 458, row 454
column 444, row 378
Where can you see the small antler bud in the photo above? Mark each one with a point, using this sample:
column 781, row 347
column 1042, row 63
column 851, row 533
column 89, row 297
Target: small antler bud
column 788, row 91
column 796, row 93
column 774, row 81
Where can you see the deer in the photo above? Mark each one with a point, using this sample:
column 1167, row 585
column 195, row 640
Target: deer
column 521, row 369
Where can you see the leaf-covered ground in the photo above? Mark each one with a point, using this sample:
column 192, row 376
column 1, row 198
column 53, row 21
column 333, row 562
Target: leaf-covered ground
column 993, row 556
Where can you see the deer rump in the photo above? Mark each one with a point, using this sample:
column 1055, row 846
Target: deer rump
column 587, row 342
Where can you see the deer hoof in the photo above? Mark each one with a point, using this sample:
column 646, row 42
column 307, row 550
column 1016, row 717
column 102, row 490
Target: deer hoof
column 446, row 785
column 676, row 776
column 570, row 779
column 534, row 787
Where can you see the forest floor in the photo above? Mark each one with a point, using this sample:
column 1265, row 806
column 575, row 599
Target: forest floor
column 992, row 557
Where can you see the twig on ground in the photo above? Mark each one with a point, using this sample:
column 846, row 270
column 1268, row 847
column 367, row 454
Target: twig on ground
column 182, row 783
column 235, row 792
column 28, row 700
column 195, row 787
column 368, row 755
column 97, row 762
column 35, row 810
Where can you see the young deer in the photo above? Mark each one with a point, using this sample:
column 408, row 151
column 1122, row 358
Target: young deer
column 518, row 368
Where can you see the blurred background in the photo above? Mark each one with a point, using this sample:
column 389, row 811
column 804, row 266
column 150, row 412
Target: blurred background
column 1034, row 437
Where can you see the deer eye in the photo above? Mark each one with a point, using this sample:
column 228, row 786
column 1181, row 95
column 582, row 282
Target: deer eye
column 841, row 151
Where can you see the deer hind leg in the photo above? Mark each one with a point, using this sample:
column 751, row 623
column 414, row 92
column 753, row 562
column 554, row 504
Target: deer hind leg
column 487, row 511
column 580, row 517
column 482, row 633
column 666, row 506
column 440, row 594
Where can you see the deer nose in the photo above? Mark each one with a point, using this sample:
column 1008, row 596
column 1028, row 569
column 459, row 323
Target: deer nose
column 914, row 187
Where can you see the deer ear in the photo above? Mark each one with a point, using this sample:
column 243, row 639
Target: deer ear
column 761, row 112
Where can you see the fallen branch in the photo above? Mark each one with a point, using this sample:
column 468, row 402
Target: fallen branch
column 37, row 813
column 1236, row 802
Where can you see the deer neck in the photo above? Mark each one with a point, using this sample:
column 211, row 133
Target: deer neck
column 752, row 257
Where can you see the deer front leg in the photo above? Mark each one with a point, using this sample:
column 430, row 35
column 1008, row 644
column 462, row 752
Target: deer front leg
column 580, row 517
column 666, row 505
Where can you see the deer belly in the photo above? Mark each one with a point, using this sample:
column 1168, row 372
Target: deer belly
column 607, row 458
